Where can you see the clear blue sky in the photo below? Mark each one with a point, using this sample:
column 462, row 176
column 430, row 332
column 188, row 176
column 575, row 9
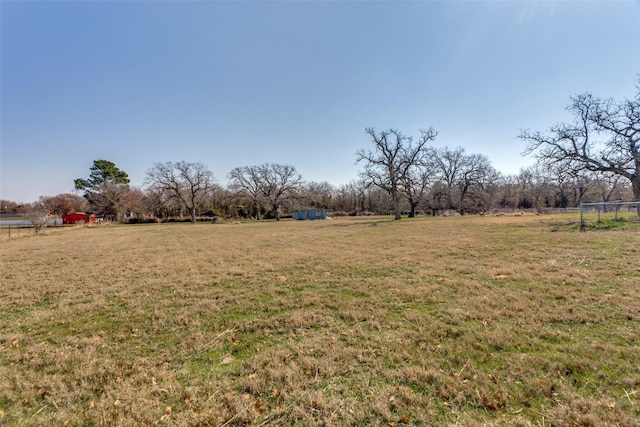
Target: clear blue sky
column 243, row 83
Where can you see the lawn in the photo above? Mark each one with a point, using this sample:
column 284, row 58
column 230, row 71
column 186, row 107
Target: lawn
column 512, row 320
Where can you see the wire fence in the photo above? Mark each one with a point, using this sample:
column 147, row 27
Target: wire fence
column 16, row 228
column 592, row 214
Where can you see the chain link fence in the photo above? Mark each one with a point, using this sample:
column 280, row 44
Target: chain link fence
column 592, row 214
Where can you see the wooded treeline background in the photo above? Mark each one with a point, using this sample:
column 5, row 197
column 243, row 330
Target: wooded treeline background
column 463, row 183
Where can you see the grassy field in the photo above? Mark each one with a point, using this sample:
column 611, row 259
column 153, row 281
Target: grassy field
column 434, row 321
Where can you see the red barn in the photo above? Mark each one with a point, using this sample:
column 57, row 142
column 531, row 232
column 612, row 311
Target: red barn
column 78, row 218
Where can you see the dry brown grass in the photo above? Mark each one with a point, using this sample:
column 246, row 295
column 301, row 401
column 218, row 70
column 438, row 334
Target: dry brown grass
column 434, row 321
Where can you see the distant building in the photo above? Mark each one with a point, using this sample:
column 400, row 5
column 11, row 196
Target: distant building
column 310, row 214
column 78, row 218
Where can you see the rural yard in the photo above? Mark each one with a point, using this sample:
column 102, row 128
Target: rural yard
column 470, row 321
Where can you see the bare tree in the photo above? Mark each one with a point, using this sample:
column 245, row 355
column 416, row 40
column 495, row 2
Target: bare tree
column 38, row 216
column 110, row 198
column 579, row 182
column 155, row 204
column 603, row 137
column 609, row 187
column 534, row 184
column 133, row 203
column 247, row 181
column 270, row 183
column 392, row 160
column 350, row 197
column 448, row 164
column 415, row 185
column 475, row 176
column 465, row 179
column 64, row 203
column 279, row 182
column 319, row 194
column 182, row 181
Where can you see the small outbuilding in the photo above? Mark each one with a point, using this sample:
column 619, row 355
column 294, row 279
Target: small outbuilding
column 78, row 218
column 310, row 214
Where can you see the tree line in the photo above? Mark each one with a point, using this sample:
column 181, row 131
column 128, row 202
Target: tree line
column 595, row 157
column 454, row 182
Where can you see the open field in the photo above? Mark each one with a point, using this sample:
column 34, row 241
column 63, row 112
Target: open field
column 357, row 321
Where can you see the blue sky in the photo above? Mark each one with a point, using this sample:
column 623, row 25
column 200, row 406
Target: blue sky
column 243, row 83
